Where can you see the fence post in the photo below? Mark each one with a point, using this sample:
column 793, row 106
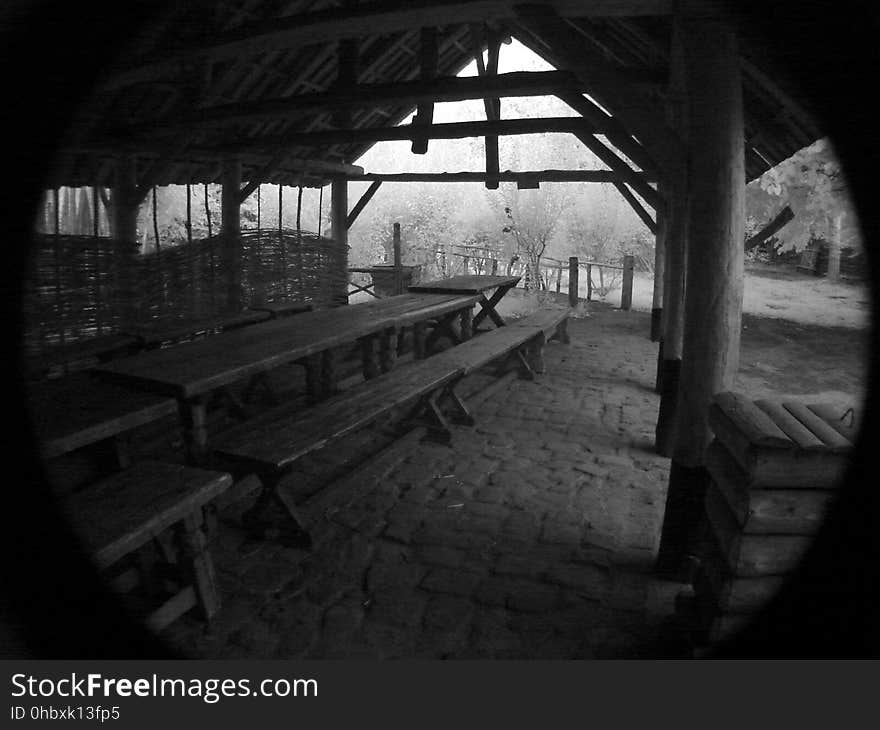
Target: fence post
column 558, row 280
column 494, row 267
column 626, row 293
column 398, row 270
column 589, row 282
column 573, row 281
column 467, row 260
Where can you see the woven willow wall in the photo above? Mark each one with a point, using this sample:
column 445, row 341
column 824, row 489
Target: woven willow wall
column 73, row 291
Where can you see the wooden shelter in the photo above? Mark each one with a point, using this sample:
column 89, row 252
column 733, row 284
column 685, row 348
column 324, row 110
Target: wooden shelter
column 680, row 108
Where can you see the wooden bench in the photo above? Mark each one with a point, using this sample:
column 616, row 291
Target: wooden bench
column 120, row 514
column 78, row 411
column 271, row 443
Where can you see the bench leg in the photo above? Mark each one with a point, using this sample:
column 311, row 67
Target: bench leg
column 294, row 533
column 463, row 415
column 535, row 355
column 561, row 333
column 438, row 426
column 197, row 563
column 526, row 372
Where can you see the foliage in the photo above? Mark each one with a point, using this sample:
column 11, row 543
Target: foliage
column 813, row 184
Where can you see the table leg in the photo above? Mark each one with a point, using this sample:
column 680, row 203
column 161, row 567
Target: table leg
column 420, row 336
column 328, row 373
column 388, row 349
column 313, row 377
column 368, row 356
column 467, row 326
column 195, row 433
column 487, row 307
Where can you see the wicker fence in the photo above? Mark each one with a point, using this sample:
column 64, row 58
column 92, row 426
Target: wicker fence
column 74, row 290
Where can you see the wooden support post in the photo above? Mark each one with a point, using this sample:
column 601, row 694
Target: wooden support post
column 494, row 267
column 626, row 291
column 713, row 302
column 676, row 191
column 125, row 203
column 425, row 111
column 659, row 273
column 559, row 280
column 339, row 232
column 398, row 262
column 590, row 281
column 573, row 281
column 230, row 229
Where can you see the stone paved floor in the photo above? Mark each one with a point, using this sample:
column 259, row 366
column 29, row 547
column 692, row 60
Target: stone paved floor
column 532, row 536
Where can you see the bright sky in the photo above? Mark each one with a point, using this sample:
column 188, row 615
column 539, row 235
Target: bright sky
column 455, row 155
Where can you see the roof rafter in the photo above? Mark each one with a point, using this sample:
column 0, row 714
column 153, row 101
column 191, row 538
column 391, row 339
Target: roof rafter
column 384, row 17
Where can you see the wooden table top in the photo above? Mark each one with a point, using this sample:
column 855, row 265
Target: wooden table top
column 465, row 284
column 80, row 410
column 195, row 368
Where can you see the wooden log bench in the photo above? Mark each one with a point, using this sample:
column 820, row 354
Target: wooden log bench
column 174, row 332
column 271, row 443
column 82, row 353
column 152, row 500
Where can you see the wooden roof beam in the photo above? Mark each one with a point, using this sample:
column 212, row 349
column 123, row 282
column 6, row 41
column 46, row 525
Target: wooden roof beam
column 443, row 89
column 591, row 176
column 404, row 132
column 642, row 117
column 332, row 24
column 637, row 206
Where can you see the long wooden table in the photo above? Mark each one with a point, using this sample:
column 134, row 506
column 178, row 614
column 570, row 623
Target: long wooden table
column 192, row 371
column 473, row 284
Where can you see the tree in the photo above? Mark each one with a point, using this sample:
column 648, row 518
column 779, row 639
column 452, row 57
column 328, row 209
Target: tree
column 812, row 183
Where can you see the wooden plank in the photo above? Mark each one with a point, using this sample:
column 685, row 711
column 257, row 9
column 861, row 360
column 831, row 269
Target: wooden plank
column 79, row 410
column 744, row 424
column 119, row 514
column 833, row 440
column 788, row 424
column 846, row 421
column 465, row 284
column 758, row 446
column 277, row 440
column 751, row 555
column 766, row 511
column 729, row 593
column 590, row 176
column 545, row 320
column 444, row 89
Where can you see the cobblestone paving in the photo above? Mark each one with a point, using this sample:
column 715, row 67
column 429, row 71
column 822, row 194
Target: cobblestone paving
column 532, row 536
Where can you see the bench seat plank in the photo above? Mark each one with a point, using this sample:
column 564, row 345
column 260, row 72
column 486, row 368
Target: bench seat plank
column 79, row 410
column 119, row 514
